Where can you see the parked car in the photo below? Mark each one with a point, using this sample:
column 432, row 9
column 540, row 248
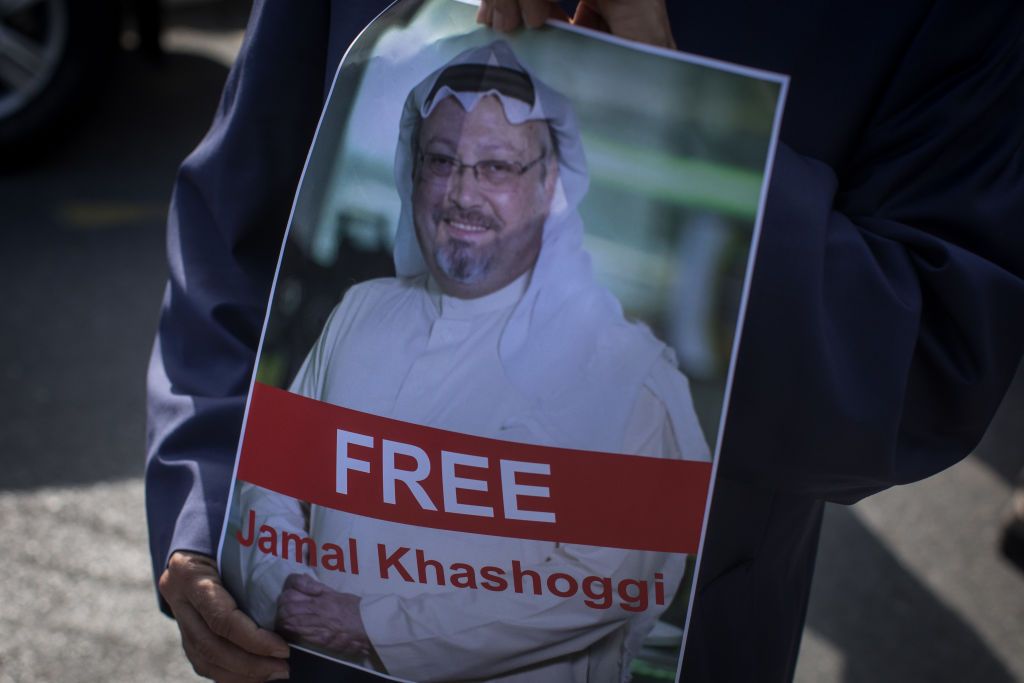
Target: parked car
column 54, row 55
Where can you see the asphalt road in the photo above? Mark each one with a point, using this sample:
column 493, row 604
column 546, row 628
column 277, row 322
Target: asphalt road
column 909, row 586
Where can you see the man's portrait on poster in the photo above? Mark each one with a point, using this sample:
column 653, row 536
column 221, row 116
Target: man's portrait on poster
column 494, row 326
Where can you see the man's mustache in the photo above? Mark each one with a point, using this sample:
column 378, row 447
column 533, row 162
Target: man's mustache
column 454, row 215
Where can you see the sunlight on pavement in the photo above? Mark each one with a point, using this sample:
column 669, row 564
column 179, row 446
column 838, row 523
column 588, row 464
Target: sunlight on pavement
column 76, row 600
column 945, row 530
column 98, row 215
column 910, row 585
column 820, row 660
column 218, row 46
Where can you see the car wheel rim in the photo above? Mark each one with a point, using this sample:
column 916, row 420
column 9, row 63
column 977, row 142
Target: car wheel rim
column 33, row 36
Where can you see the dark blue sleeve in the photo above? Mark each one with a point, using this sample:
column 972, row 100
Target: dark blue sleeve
column 886, row 316
column 228, row 212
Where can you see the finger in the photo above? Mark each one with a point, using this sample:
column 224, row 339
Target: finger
column 318, row 634
column 588, row 17
column 350, row 645
column 224, row 676
column 290, row 597
column 556, row 12
column 505, row 16
column 191, row 579
column 305, row 621
column 291, row 582
column 645, row 21
column 315, row 637
column 304, row 583
column 208, row 652
column 287, row 606
column 343, row 643
column 535, row 12
column 485, row 14
column 290, row 611
column 184, row 569
column 222, row 617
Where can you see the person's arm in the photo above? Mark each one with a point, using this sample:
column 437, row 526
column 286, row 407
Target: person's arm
column 228, row 213
column 885, row 317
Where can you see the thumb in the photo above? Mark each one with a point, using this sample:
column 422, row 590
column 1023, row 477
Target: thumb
column 588, row 16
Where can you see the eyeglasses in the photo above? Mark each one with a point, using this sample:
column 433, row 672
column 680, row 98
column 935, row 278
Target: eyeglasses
column 492, row 173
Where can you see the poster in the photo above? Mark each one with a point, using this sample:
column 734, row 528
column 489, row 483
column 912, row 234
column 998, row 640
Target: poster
column 481, row 436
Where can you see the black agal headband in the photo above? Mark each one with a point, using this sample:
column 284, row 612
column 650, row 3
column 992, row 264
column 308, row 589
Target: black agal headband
column 481, row 78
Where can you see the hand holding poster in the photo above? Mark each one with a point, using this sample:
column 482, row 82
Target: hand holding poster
column 490, row 462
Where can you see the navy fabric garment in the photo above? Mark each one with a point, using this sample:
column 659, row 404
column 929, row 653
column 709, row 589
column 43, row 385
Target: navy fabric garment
column 885, row 321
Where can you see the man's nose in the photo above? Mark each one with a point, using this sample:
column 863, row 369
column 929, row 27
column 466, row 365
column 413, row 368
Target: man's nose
column 463, row 187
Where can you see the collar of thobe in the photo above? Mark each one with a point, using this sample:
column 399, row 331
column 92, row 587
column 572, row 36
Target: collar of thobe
column 452, row 307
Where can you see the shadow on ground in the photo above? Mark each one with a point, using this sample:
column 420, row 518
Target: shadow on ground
column 887, row 625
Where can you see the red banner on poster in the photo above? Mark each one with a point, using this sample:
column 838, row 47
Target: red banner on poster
column 401, row 472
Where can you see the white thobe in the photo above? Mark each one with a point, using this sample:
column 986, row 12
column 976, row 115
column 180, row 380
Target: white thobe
column 400, row 348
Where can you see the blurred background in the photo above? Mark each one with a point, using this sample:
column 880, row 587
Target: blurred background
column 910, row 584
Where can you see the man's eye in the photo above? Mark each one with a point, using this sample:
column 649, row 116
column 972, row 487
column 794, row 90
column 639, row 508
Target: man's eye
column 497, row 168
column 440, row 163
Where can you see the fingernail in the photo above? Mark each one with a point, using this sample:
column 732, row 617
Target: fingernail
column 497, row 20
column 279, row 676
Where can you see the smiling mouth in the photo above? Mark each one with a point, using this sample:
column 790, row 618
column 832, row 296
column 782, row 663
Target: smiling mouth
column 466, row 225
column 462, row 226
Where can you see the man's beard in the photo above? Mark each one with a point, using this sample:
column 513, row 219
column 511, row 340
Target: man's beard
column 461, row 261
column 458, row 261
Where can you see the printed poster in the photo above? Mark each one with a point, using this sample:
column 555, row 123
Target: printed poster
column 481, row 439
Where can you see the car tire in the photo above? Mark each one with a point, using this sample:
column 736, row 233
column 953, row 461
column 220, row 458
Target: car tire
column 54, row 58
